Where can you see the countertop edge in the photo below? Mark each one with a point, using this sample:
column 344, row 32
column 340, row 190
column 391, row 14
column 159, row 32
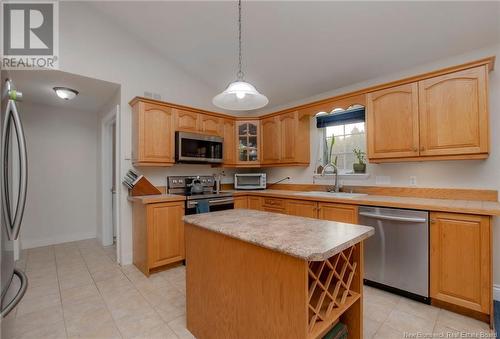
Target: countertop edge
column 311, row 257
column 158, row 198
column 380, row 203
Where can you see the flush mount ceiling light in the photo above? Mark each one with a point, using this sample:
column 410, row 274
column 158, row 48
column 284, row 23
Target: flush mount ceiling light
column 240, row 95
column 65, row 93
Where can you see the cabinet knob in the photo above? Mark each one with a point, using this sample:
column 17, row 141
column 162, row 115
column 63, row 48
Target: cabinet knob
column 415, row 149
column 422, row 148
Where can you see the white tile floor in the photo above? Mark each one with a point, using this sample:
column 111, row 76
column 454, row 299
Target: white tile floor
column 76, row 290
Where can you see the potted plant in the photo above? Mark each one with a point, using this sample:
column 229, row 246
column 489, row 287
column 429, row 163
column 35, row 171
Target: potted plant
column 360, row 166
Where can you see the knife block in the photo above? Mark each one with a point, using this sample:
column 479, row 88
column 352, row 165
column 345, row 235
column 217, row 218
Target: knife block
column 142, row 186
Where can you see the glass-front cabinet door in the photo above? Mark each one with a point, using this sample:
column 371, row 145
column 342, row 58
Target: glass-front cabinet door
column 248, row 142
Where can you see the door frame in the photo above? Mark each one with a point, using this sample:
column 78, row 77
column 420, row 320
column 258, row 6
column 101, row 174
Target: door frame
column 106, row 229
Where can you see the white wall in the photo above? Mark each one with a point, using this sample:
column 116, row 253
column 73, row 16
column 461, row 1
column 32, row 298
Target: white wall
column 62, row 172
column 483, row 174
column 92, row 46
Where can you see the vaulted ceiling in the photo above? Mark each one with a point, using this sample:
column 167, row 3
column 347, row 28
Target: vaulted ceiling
column 297, row 49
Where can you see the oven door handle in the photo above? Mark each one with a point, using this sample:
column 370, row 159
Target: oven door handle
column 220, row 201
column 212, row 202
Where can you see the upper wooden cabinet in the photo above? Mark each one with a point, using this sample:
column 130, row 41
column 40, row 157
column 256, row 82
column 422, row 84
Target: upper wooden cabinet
column 392, row 122
column 271, row 132
column 152, row 135
column 437, row 118
column 454, row 113
column 286, row 139
column 460, row 260
column 187, row 121
column 211, row 125
column 229, row 135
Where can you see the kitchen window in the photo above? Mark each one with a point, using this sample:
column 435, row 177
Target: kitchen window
column 348, row 129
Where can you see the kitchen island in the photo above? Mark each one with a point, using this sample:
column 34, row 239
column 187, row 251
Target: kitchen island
column 255, row 274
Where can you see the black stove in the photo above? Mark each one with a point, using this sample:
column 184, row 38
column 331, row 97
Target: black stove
column 216, row 201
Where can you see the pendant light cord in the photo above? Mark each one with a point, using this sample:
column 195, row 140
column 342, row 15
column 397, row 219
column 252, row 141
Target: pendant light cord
column 240, row 74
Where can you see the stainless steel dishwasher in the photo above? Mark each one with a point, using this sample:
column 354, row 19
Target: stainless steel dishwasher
column 397, row 255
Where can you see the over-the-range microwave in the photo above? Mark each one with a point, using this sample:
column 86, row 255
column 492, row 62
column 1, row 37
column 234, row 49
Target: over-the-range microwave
column 250, row 181
column 198, row 148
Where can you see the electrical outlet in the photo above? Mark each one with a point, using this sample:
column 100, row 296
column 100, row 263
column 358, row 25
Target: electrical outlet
column 413, row 180
column 383, row 180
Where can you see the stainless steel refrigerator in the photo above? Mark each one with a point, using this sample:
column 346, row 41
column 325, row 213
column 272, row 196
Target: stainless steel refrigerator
column 13, row 184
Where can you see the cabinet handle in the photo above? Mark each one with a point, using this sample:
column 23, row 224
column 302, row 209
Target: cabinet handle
column 422, row 148
column 415, row 149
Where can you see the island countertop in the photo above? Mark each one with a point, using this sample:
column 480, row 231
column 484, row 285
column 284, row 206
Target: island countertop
column 304, row 238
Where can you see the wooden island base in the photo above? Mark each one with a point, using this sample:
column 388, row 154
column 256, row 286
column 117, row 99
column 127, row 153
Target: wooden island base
column 239, row 290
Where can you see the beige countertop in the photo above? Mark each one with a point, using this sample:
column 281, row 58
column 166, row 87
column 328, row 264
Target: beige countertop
column 439, row 205
column 158, row 198
column 304, row 238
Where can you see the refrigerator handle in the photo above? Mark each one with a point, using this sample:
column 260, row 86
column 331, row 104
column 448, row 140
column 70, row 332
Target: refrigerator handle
column 7, row 215
column 23, row 168
column 19, row 295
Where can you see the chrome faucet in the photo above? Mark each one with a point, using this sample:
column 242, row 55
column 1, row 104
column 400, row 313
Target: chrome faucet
column 336, row 187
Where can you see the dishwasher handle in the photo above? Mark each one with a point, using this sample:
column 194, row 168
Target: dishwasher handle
column 391, row 217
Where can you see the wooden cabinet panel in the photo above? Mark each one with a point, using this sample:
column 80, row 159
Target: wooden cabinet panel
column 275, row 203
column 187, row 121
column 254, row 203
column 229, row 132
column 460, row 260
column 338, row 212
column 392, row 122
column 271, row 141
column 240, row 202
column 152, row 135
column 165, row 233
column 302, row 208
column 454, row 113
column 211, row 124
column 288, row 129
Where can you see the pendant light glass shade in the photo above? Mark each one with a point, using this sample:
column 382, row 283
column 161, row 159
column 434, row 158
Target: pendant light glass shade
column 240, row 96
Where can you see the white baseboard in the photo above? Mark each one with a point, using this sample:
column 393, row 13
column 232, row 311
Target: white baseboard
column 39, row 242
column 496, row 292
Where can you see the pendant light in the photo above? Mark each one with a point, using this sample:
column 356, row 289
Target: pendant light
column 240, row 95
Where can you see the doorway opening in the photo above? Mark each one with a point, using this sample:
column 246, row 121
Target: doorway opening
column 110, row 187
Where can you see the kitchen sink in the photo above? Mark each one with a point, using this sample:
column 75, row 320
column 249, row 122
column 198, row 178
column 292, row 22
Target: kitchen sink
column 340, row 195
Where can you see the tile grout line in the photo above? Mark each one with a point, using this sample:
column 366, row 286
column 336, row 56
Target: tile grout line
column 60, row 295
column 99, row 291
column 153, row 307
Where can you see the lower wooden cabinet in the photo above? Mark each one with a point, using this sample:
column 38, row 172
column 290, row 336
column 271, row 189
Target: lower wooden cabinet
column 158, row 235
column 460, row 260
column 240, row 202
column 338, row 212
column 254, row 203
column 460, row 251
column 302, row 208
